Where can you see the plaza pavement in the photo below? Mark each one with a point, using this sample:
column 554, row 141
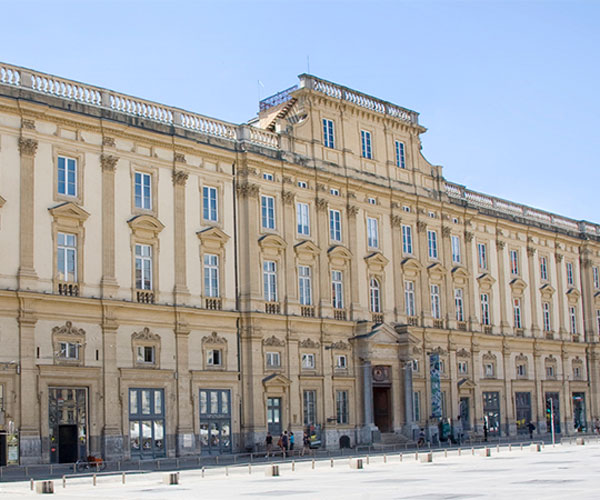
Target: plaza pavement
column 561, row 472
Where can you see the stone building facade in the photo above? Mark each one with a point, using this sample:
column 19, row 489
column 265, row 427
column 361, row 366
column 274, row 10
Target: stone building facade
column 172, row 284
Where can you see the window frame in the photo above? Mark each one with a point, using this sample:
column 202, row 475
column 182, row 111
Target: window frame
column 517, row 313
column 337, row 289
column 302, row 218
column 335, row 225
column 434, row 292
column 308, row 361
column 270, row 357
column 407, row 244
column 64, row 250
column 372, row 232
column 366, row 143
column 209, row 272
column 66, row 159
column 409, row 298
column 143, row 259
column 309, row 407
column 543, row 268
column 375, row 295
column 142, row 197
column 482, row 256
column 305, row 285
column 210, row 357
column 570, row 275
column 328, row 133
column 270, row 285
column 400, row 148
column 459, row 304
column 268, row 218
column 486, row 318
column 455, row 244
column 432, row 247
column 210, row 213
column 342, row 406
column 514, row 262
column 547, row 316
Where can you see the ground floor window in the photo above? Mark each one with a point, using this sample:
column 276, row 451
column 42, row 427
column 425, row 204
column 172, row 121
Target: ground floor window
column 579, row 420
column 523, row 410
column 67, row 422
column 310, row 407
column 465, row 413
column 215, row 420
column 341, row 403
column 147, row 423
column 491, row 412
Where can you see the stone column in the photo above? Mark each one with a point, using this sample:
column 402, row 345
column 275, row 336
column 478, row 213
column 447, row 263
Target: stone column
column 249, row 252
column 477, row 403
column 453, row 402
column 112, row 435
column 180, row 291
column 447, row 294
column 399, row 306
column 185, row 427
column 533, row 289
column 29, row 405
column 289, row 276
column 356, row 311
column 471, row 302
column 323, row 278
column 510, row 426
column 26, row 275
column 423, row 257
column 587, row 293
column 504, row 326
column 369, row 423
column 109, row 283
column 561, row 297
column 539, row 410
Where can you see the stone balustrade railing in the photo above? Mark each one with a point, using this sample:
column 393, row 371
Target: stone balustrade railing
column 459, row 192
column 114, row 101
column 358, row 98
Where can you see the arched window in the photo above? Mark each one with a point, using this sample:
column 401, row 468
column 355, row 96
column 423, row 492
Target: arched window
column 375, row 296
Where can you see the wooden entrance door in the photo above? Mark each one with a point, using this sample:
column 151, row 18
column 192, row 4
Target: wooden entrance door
column 382, row 408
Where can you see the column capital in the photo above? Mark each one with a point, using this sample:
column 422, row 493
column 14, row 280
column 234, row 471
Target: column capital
column 27, row 146
column 108, row 162
column 395, row 220
column 180, row 177
column 530, row 251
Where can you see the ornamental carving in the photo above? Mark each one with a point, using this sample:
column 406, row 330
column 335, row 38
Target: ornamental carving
column 145, row 335
column 246, row 189
column 321, row 187
column 214, row 338
column 488, row 356
column 28, row 124
column 108, row 162
column 395, row 204
column 352, row 210
column 468, row 236
column 288, row 197
column 550, row 359
column 500, row 244
column 340, row 346
column 246, row 171
column 309, row 343
column 68, row 330
column 521, row 358
column 446, row 231
column 586, row 263
column 463, row 353
column 287, row 179
column 27, row 147
column 321, row 204
column 108, row 141
column 179, row 157
column 417, row 350
column 421, row 226
column 180, row 177
column 273, row 341
column 558, row 257
column 381, row 374
column 439, row 350
column 530, row 251
column 396, row 220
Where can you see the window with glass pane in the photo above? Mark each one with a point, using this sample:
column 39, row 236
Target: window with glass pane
column 309, row 399
column 209, row 203
column 270, row 280
column 482, row 255
column 485, row 309
column 400, row 158
column 302, row 219
column 143, row 267
column 455, row 249
column 573, row 319
column 546, row 314
column 595, row 277
column 435, row 301
column 211, row 275
column 328, row 136
column 304, row 285
column 569, row 274
column 517, row 312
column 407, row 239
column 273, row 359
column 67, row 176
column 374, row 293
column 543, row 268
column 416, row 406
column 145, row 354
column 409, row 297
column 341, row 406
column 69, row 350
column 67, row 257
column 308, row 361
column 213, row 357
column 514, row 262
column 267, row 207
column 458, row 304
column 365, row 138
column 432, row 244
column 372, row 232
column 143, row 190
column 463, row 367
column 337, row 292
column 335, row 225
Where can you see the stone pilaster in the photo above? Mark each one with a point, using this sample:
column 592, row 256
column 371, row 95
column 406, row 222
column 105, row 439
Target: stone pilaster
column 356, row 311
column 112, row 435
column 399, row 305
column 508, row 409
column 504, row 326
column 109, row 283
column 471, row 302
column 180, row 291
column 324, row 277
column 561, row 291
column 539, row 372
column 27, row 276
column 289, row 229
column 185, row 428
column 423, row 256
column 587, row 294
column 447, row 292
column 249, row 252
column 533, row 290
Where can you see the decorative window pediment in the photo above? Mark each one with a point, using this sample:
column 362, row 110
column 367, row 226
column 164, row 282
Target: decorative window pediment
column 460, row 275
column 309, row 344
column 439, row 350
column 146, row 349
column 547, row 291
column 463, row 353
column 573, row 295
column 521, row 358
column 276, row 380
column 212, row 238
column 436, row 271
column 518, row 285
column 376, row 262
column 273, row 341
column 339, row 255
column 272, row 242
column 488, row 356
column 69, row 214
column 145, row 226
column 214, row 350
column 306, row 250
column 486, row 281
column 340, row 346
column 214, row 339
column 411, row 267
column 68, row 344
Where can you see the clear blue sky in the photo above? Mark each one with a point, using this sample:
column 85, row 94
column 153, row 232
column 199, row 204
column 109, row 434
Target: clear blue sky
column 508, row 90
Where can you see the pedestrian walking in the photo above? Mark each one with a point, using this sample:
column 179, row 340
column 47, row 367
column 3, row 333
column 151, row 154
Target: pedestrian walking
column 305, row 443
column 292, row 441
column 284, row 443
column 269, row 444
column 530, row 428
column 458, row 431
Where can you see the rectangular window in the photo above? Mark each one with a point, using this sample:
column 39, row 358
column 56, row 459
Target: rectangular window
column 543, row 268
column 463, row 367
column 416, row 406
column 514, row 262
column 482, row 255
column 577, row 372
column 305, row 285
column 489, row 369
column 435, row 302
column 309, row 400
column 409, row 297
column 455, row 249
column 270, row 280
column 303, row 184
column 67, row 176
column 303, row 219
column 521, row 371
column 407, row 239
column 69, row 350
column 550, row 371
column 143, row 191
column 337, row 290
column 328, row 136
column 273, row 360
column 458, row 303
column 365, row 139
column 372, row 232
column 267, row 210
column 145, row 354
column 211, row 275
column 569, row 274
column 334, row 192
column 209, row 203
column 432, row 244
column 546, row 314
column 341, row 362
column 598, row 319
column 67, row 257
column 341, row 406
column 517, row 313
column 595, row 277
column 485, row 309
column 268, row 177
column 573, row 319
column 335, row 225
column 308, row 361
column 400, row 157
column 213, row 357
column 143, row 267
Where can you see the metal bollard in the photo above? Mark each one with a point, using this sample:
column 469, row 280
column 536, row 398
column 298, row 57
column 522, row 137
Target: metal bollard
column 123, row 478
column 417, row 455
column 497, row 448
column 331, row 462
column 94, row 480
column 293, row 465
column 226, row 471
column 509, row 446
column 217, row 459
column 313, row 463
column 158, row 464
column 202, row 471
column 367, row 459
column 249, row 468
column 459, row 452
column 384, row 458
column 445, row 453
column 400, row 457
column 473, row 451
column 31, row 484
column 64, row 478
column 521, row 448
